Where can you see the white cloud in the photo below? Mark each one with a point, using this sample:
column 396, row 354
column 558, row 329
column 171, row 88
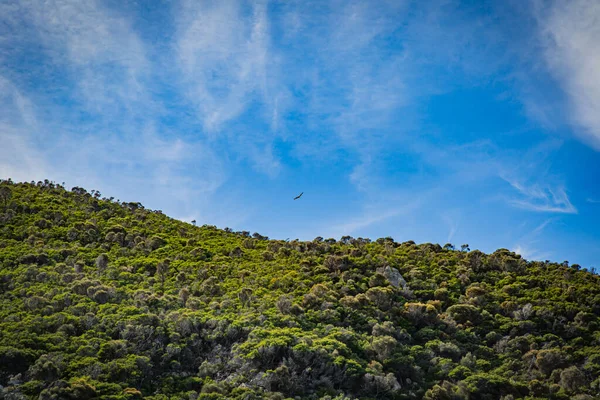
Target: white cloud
column 570, row 30
column 94, row 59
column 542, row 198
column 380, row 210
column 172, row 174
column 533, row 185
column 542, row 226
column 365, row 221
column 538, row 188
column 362, row 176
column 18, row 158
column 358, row 86
column 527, row 247
column 531, row 253
column 102, row 54
column 264, row 160
column 328, row 64
column 181, row 174
column 451, row 218
column 225, row 58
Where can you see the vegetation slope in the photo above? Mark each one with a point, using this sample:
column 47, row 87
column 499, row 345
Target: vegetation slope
column 102, row 299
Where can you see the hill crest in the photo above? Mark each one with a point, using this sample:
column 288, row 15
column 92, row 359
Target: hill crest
column 102, row 299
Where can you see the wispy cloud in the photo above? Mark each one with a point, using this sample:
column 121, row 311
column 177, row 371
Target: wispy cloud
column 538, row 188
column 570, row 32
column 348, row 87
column 366, row 220
column 534, row 185
column 527, row 246
column 452, row 221
column 536, row 197
column 224, row 51
column 101, row 126
column 539, row 229
column 104, row 57
column 532, row 254
column 401, row 203
column 18, row 157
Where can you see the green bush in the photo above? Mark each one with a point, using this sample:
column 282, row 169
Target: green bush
column 100, row 299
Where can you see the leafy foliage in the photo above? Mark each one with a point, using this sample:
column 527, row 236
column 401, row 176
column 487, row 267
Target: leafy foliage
column 102, row 299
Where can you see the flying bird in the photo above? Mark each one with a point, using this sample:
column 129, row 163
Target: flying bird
column 297, row 197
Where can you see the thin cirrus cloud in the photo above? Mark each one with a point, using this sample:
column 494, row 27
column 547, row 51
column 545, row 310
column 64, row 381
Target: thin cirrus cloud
column 535, row 197
column 569, row 32
column 18, row 158
column 105, row 137
column 224, row 56
column 373, row 215
column 537, row 188
column 104, row 59
column 531, row 253
column 528, row 243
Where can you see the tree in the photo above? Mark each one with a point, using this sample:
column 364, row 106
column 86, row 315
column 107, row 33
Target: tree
column 184, row 295
column 380, row 296
column 463, row 313
column 465, row 247
column 102, row 262
column 162, row 268
column 245, row 295
column 384, row 346
column 346, row 239
column 284, row 304
column 443, row 392
column 572, row 379
column 5, row 195
column 548, row 360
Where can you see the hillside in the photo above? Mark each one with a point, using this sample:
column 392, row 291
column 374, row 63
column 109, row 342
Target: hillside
column 100, row 299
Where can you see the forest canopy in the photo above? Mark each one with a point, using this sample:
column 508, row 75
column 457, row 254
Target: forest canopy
column 101, row 299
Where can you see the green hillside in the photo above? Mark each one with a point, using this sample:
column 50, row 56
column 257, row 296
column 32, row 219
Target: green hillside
column 108, row 300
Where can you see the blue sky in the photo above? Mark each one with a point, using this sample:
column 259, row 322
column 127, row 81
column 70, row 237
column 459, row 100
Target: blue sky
column 446, row 121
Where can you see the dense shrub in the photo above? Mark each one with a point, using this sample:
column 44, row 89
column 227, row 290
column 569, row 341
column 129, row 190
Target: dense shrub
column 100, row 299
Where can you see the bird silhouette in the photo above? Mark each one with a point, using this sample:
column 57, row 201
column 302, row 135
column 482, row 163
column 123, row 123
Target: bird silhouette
column 297, row 197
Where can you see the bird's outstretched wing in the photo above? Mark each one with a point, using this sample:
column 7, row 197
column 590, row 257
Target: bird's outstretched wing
column 297, row 197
